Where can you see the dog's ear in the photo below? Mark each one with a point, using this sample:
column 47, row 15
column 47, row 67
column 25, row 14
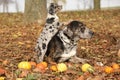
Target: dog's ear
column 68, row 32
column 51, row 9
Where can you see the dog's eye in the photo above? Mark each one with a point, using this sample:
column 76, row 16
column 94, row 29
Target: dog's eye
column 55, row 7
column 82, row 29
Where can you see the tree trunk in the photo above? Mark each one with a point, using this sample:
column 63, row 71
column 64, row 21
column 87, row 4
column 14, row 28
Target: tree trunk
column 96, row 4
column 16, row 5
column 35, row 11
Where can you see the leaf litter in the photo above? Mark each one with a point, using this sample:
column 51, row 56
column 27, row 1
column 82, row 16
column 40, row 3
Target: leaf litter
column 18, row 41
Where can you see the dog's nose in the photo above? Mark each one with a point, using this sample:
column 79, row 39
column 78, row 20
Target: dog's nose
column 92, row 33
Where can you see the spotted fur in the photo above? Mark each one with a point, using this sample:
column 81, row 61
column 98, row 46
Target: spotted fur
column 51, row 28
column 64, row 43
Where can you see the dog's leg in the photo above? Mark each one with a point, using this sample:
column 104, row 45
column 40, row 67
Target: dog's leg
column 39, row 56
column 76, row 59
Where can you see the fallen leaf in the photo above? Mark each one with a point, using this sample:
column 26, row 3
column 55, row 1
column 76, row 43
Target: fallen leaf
column 21, row 43
column 81, row 78
column 28, row 46
column 82, row 47
column 24, row 73
column 19, row 78
column 2, row 71
column 97, row 78
column 19, row 33
column 28, row 41
column 5, row 62
column 39, row 70
column 71, row 72
column 118, row 53
column 15, row 36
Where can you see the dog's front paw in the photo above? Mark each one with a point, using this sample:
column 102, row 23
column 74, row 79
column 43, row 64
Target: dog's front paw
column 38, row 58
column 76, row 59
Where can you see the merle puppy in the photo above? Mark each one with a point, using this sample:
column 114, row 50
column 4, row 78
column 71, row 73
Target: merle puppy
column 51, row 28
column 63, row 45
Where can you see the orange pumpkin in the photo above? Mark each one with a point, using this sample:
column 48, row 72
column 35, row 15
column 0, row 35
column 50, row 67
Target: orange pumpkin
column 45, row 64
column 108, row 69
column 53, row 68
column 115, row 66
column 40, row 66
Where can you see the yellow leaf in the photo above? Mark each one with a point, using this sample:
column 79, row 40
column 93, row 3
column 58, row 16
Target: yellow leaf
column 21, row 43
column 19, row 79
column 15, row 36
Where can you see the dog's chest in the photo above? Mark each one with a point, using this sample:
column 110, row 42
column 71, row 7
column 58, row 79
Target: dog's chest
column 69, row 46
column 69, row 52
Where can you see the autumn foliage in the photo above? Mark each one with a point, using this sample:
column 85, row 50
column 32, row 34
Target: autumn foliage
column 17, row 42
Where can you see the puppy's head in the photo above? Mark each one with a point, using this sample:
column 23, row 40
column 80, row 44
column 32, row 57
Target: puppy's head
column 54, row 8
column 76, row 30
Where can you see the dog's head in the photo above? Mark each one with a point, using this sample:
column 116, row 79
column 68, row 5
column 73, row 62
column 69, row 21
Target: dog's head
column 54, row 8
column 76, row 30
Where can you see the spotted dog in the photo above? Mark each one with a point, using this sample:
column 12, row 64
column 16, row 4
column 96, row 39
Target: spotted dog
column 51, row 28
column 63, row 45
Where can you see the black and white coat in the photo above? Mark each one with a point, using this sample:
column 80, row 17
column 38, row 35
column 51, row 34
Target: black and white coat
column 63, row 46
column 51, row 28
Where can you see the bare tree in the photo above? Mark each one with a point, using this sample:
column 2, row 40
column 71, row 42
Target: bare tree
column 84, row 2
column 91, row 4
column 96, row 4
column 88, row 4
column 5, row 4
column 35, row 10
column 16, row 4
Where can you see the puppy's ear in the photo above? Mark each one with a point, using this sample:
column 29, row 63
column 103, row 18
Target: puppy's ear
column 51, row 9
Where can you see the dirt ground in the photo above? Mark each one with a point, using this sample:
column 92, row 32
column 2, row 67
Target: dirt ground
column 17, row 42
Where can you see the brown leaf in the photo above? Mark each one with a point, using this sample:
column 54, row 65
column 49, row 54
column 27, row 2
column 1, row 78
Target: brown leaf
column 81, row 78
column 39, row 70
column 24, row 73
column 66, row 77
column 57, row 78
column 2, row 71
column 97, row 78
column 118, row 53
column 71, row 72
column 5, row 62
